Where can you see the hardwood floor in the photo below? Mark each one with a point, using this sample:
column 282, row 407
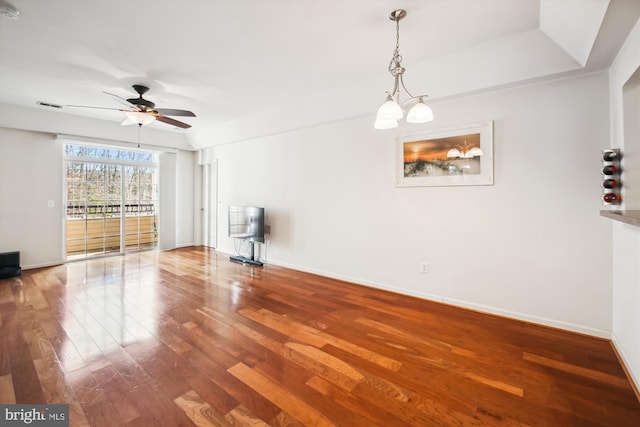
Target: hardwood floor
column 185, row 337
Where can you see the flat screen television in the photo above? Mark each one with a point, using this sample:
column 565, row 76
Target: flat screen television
column 246, row 222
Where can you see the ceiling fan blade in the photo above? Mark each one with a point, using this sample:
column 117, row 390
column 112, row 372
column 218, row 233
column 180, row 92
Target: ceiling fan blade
column 173, row 122
column 122, row 100
column 174, row 112
column 97, row 108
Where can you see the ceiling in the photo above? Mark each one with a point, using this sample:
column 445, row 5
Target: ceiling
column 252, row 68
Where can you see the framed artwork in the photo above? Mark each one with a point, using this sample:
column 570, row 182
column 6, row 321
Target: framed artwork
column 462, row 155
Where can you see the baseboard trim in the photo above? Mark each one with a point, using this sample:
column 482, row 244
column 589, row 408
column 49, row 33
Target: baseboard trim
column 185, row 245
column 42, row 265
column 620, row 354
column 515, row 315
column 567, row 326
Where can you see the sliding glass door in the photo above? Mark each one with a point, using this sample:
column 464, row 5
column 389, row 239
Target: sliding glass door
column 111, row 199
column 140, row 201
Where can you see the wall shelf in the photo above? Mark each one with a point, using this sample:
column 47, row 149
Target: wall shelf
column 628, row 217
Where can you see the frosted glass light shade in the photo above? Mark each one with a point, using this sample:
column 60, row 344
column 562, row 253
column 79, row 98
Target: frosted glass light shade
column 420, row 113
column 139, row 117
column 385, row 124
column 390, row 110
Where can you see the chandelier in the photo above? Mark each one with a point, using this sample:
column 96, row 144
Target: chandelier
column 393, row 110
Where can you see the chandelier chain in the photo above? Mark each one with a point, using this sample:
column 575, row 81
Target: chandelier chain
column 396, row 59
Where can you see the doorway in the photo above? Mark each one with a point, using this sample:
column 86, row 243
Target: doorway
column 210, row 203
column 111, row 201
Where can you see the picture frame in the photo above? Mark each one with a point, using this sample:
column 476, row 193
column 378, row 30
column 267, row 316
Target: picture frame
column 461, row 155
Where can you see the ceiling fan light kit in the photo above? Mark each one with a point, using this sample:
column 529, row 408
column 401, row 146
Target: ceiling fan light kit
column 139, row 117
column 392, row 110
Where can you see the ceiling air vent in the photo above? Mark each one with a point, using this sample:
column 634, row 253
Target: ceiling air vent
column 48, row 104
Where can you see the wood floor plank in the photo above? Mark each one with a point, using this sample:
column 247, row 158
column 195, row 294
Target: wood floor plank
column 347, row 401
column 296, row 331
column 408, row 337
column 57, row 390
column 102, row 414
column 325, row 365
column 317, row 338
column 199, row 411
column 235, row 388
column 85, row 387
column 5, row 367
column 163, row 366
column 577, row 370
column 164, row 412
column 509, row 388
column 241, row 416
column 307, row 415
column 7, row 395
column 26, row 384
column 188, row 338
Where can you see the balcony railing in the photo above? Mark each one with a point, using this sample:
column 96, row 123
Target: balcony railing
column 101, row 235
column 82, row 211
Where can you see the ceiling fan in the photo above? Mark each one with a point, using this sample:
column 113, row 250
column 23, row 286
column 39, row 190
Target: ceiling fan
column 141, row 111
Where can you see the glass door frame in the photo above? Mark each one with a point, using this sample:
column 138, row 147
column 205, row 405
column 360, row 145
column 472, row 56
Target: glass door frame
column 123, row 165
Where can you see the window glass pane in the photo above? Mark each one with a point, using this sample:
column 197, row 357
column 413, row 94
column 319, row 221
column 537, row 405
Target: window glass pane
column 113, row 192
column 112, row 228
column 147, row 240
column 95, row 244
column 77, row 245
column 95, row 193
column 131, row 226
column 90, row 152
column 76, row 191
column 76, row 171
column 110, row 153
column 95, row 227
column 76, row 229
column 112, row 172
column 71, row 150
column 75, row 209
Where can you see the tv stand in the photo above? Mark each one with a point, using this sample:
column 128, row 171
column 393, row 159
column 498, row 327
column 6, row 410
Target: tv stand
column 251, row 260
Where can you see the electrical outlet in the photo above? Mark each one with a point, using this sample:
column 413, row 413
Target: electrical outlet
column 424, row 267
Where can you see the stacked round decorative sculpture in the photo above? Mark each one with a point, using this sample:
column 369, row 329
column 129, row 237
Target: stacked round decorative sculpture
column 611, row 172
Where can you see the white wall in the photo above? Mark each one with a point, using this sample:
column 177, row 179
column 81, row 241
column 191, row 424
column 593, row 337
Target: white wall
column 31, row 176
column 168, row 207
column 626, row 238
column 186, row 196
column 533, row 246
